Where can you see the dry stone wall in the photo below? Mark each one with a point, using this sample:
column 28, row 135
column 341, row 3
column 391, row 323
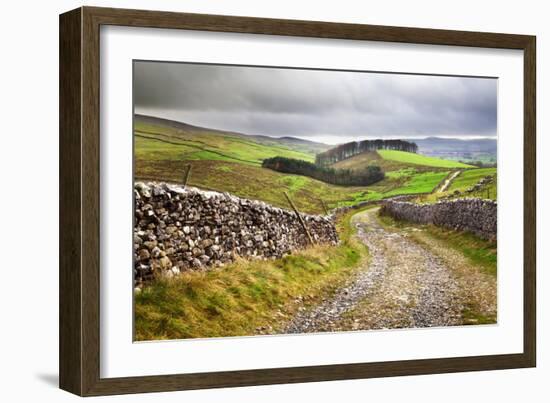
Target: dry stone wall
column 474, row 215
column 177, row 229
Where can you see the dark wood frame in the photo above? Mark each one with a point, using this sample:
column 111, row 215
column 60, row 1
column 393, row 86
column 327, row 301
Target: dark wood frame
column 79, row 200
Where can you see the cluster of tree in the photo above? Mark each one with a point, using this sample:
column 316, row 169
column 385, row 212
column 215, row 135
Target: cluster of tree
column 348, row 150
column 344, row 177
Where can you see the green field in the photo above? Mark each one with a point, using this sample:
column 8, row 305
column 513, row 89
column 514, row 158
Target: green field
column 231, row 162
column 394, row 165
column 157, row 142
column 401, row 173
column 418, row 159
column 419, row 183
column 465, row 180
column 254, row 182
column 470, row 177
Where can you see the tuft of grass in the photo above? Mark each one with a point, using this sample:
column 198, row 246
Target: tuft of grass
column 246, row 297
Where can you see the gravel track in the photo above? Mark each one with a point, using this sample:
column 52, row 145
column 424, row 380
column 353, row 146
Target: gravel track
column 404, row 285
column 448, row 181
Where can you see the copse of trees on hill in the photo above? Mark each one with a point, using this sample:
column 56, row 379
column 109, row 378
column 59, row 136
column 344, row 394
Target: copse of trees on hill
column 348, row 150
column 344, row 177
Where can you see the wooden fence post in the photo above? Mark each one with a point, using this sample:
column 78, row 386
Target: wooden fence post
column 186, row 175
column 324, row 206
column 300, row 219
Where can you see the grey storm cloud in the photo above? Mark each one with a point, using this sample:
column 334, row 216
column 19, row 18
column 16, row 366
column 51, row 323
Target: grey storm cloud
column 316, row 104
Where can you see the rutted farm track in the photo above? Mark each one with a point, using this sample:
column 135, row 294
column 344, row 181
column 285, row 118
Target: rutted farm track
column 447, row 182
column 405, row 284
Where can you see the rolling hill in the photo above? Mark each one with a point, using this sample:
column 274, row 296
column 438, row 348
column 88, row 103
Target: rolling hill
column 391, row 160
column 231, row 162
column 187, row 131
column 419, row 159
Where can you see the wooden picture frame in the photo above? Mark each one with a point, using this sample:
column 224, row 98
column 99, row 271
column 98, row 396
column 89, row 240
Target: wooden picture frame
column 80, row 186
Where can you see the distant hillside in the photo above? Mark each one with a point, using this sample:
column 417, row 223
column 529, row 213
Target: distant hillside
column 440, row 144
column 293, row 143
column 482, row 150
column 153, row 120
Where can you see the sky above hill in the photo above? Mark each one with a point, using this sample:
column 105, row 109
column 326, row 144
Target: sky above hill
column 319, row 105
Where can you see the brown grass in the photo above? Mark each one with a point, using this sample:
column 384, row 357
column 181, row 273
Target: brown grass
column 246, row 297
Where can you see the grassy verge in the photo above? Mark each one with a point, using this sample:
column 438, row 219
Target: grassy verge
column 479, row 252
column 246, row 297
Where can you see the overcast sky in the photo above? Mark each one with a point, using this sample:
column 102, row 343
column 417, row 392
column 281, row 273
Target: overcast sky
column 327, row 106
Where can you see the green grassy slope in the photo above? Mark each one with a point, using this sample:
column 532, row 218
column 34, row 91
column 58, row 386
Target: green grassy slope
column 419, row 183
column 470, row 177
column 421, row 175
column 397, row 161
column 418, row 159
column 365, row 159
column 293, row 143
column 230, row 163
column 156, row 142
column 254, row 182
column 465, row 180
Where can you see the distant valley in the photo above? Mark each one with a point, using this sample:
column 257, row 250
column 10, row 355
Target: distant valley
column 481, row 149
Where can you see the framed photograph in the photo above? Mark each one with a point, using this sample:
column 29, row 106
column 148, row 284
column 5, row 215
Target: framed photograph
column 249, row 201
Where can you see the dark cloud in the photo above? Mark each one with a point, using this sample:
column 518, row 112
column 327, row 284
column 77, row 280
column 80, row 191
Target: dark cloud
column 315, row 103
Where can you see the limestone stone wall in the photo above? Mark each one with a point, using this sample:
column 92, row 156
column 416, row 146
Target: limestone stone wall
column 177, row 229
column 474, row 215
